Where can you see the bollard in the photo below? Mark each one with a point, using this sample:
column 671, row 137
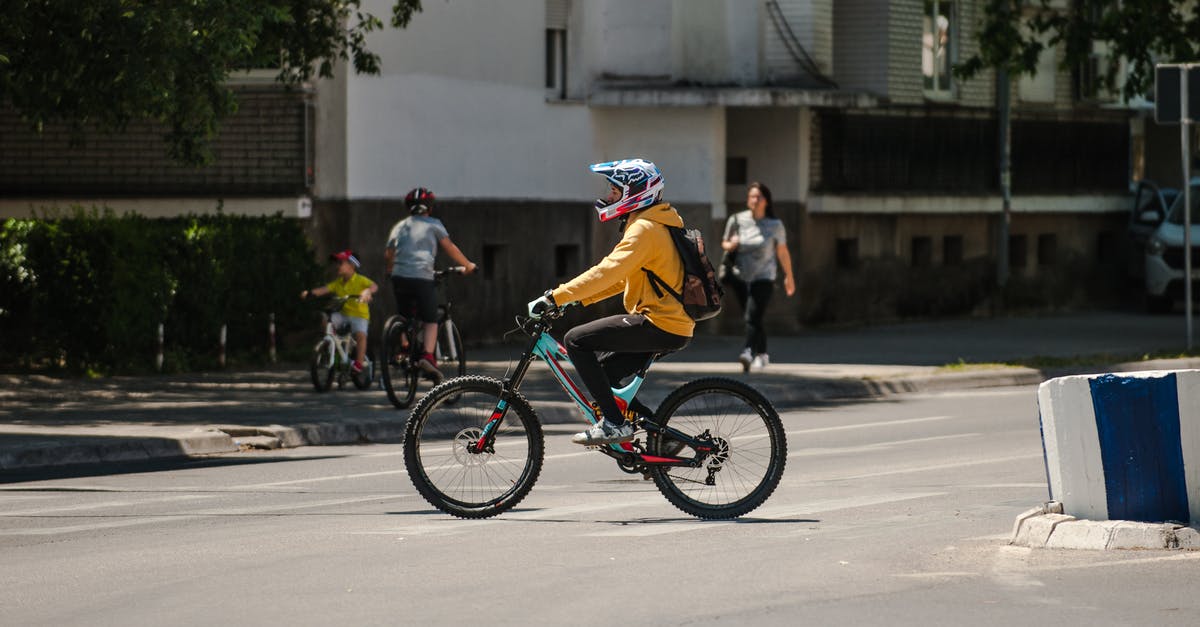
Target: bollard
column 221, row 355
column 1124, row 446
column 158, row 359
column 271, row 333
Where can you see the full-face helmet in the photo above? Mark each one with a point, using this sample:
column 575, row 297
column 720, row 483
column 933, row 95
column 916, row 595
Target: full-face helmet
column 640, row 182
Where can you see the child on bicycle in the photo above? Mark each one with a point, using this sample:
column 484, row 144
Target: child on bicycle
column 412, row 247
column 356, row 313
column 612, row 348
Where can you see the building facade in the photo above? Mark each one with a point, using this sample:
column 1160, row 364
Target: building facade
column 883, row 164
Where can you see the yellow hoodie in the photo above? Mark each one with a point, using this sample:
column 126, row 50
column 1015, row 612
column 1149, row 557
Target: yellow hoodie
column 645, row 244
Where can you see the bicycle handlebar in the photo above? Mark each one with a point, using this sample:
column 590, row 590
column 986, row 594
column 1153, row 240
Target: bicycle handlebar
column 450, row 270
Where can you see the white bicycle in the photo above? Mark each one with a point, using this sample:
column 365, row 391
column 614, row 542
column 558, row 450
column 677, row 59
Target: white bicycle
column 333, row 355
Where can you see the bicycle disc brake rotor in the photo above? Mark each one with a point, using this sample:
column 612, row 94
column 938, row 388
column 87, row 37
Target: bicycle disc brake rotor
column 466, row 440
column 720, row 454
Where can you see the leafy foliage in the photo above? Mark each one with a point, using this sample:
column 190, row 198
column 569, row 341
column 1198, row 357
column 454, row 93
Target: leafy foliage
column 87, row 291
column 1013, row 33
column 98, row 64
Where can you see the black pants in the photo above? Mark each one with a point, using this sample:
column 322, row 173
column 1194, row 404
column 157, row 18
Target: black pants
column 753, row 298
column 607, row 350
column 416, row 297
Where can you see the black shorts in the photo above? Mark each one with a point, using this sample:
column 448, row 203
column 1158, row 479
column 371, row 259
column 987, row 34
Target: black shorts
column 416, row 297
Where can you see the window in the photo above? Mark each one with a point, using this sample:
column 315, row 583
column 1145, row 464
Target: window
column 735, row 171
column 556, row 63
column 1107, row 248
column 847, row 253
column 566, row 261
column 495, row 262
column 937, row 47
column 1047, row 249
column 1017, row 251
column 952, row 250
column 922, row 251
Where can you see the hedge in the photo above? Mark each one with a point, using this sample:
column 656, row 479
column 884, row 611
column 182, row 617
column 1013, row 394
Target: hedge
column 86, row 291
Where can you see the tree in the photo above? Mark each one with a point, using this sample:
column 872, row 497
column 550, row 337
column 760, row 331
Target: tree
column 1013, row 34
column 99, row 64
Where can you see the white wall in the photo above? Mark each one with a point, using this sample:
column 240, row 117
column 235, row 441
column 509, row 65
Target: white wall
column 460, row 108
column 687, row 144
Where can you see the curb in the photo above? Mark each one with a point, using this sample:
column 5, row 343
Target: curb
column 44, row 450
column 1046, row 526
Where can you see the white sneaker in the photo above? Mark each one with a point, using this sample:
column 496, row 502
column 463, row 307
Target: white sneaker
column 604, row 433
column 760, row 361
column 745, row 359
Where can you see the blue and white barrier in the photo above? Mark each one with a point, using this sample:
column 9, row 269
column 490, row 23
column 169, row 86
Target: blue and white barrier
column 1124, row 446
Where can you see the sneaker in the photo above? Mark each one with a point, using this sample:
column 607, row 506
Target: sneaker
column 760, row 361
column 428, row 365
column 356, row 367
column 604, row 433
column 745, row 359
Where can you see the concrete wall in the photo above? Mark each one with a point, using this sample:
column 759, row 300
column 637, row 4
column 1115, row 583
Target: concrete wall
column 1124, row 446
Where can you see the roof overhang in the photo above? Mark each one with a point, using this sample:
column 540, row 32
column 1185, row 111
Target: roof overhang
column 730, row 97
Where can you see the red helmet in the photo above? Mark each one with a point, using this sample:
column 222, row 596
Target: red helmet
column 419, row 201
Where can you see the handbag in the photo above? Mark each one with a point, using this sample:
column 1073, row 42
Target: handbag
column 728, row 269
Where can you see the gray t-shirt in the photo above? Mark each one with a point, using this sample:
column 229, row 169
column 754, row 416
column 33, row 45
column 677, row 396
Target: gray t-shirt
column 757, row 239
column 415, row 240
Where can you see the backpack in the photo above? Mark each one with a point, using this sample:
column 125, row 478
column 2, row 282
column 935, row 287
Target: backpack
column 701, row 294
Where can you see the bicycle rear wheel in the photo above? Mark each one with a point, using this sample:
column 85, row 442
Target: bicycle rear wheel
column 444, row 469
column 398, row 372
column 321, row 365
column 749, row 442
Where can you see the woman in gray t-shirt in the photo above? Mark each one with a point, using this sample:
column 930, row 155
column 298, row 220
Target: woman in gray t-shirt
column 760, row 241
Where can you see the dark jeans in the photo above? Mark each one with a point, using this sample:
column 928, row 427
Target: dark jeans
column 607, row 350
column 753, row 298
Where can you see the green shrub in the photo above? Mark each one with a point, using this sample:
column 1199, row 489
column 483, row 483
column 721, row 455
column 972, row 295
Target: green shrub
column 86, row 291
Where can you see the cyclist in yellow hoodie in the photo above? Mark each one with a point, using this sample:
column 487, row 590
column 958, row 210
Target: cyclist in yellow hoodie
column 612, row 348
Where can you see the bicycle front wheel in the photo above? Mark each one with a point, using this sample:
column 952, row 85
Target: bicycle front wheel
column 439, row 448
column 398, row 373
column 750, row 448
column 451, row 354
column 321, row 365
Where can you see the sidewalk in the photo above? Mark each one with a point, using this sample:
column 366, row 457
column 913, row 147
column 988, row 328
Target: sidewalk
column 47, row 422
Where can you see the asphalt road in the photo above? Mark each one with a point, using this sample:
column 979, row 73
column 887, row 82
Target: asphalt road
column 890, row 512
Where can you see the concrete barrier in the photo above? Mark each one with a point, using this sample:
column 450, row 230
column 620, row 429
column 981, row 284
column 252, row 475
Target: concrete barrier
column 1124, row 446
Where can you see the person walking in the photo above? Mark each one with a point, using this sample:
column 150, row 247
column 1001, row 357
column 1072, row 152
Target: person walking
column 759, row 240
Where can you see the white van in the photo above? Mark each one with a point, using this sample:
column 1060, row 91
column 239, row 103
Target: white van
column 1163, row 252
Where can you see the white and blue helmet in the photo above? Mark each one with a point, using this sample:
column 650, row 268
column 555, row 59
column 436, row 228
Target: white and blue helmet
column 640, row 182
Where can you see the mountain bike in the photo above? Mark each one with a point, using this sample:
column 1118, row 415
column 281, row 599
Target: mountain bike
column 334, row 354
column 403, row 345
column 715, row 447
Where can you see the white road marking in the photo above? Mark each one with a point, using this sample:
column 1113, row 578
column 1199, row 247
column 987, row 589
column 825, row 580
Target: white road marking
column 933, row 467
column 103, row 505
column 814, row 452
column 218, row 512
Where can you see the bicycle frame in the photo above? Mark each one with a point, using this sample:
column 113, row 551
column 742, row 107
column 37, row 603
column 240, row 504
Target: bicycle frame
column 339, row 347
column 548, row 349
